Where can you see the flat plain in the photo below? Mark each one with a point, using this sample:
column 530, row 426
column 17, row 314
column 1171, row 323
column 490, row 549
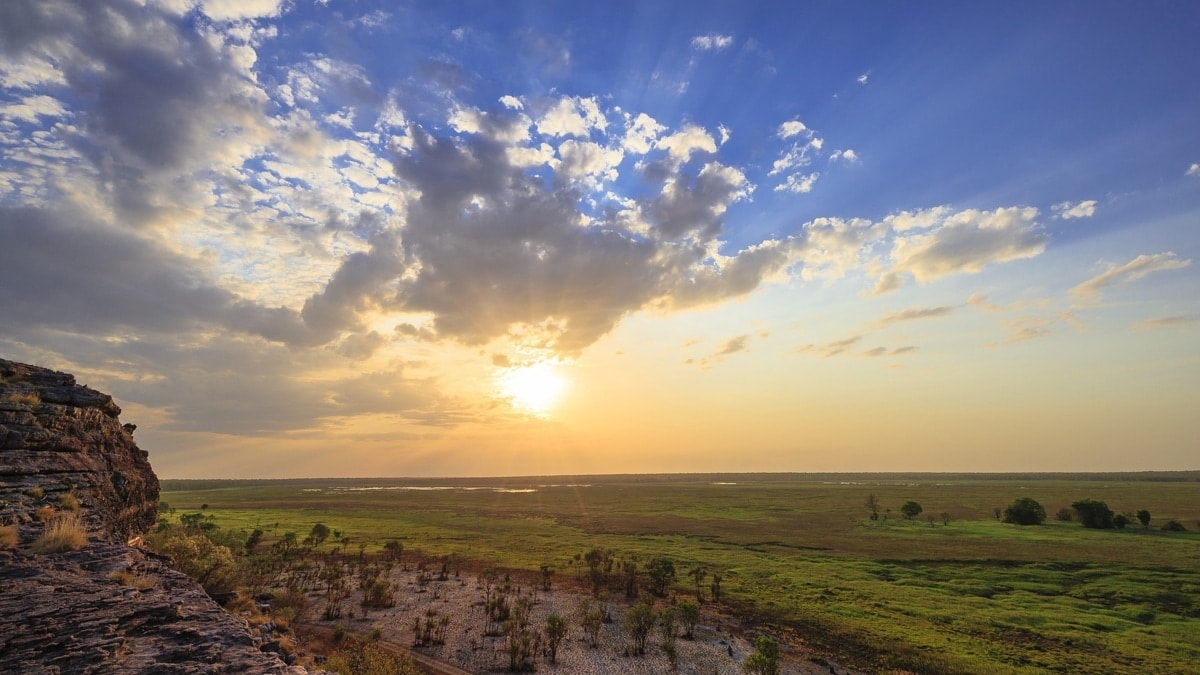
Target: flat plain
column 954, row 590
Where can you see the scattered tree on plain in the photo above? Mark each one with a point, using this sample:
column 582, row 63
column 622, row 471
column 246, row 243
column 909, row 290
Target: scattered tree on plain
column 689, row 614
column 556, row 630
column 662, row 574
column 873, row 506
column 639, row 621
column 1174, row 526
column 910, row 510
column 1120, row 520
column 1025, row 511
column 1143, row 517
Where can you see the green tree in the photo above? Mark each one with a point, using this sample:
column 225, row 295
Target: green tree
column 639, row 621
column 1094, row 514
column 662, row 574
column 689, row 614
column 319, row 533
column 547, row 573
column 1143, row 517
column 1025, row 511
column 591, row 619
column 765, row 658
column 1120, row 520
column 556, row 630
column 910, row 510
column 1174, row 526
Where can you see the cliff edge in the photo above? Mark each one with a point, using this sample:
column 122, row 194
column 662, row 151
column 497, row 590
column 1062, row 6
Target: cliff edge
column 87, row 601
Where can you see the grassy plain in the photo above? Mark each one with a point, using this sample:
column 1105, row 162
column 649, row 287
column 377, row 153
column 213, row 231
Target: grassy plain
column 799, row 554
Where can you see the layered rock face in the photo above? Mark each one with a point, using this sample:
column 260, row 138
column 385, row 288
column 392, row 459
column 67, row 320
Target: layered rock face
column 99, row 606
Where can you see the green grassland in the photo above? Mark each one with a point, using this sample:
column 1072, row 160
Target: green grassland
column 800, row 556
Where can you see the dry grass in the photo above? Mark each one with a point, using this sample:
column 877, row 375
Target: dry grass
column 68, row 501
column 25, row 397
column 64, row 533
column 35, row 492
column 43, row 514
column 127, row 577
column 8, row 536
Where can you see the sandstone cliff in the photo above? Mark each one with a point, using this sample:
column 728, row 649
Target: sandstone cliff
column 101, row 606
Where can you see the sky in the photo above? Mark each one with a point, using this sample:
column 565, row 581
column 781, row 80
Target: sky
column 353, row 238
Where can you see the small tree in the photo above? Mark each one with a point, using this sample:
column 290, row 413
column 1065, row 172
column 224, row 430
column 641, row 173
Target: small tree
column 1120, row 520
column 715, row 586
column 910, row 510
column 698, row 573
column 591, row 618
column 1143, row 517
column 556, row 630
column 765, row 658
column 873, row 506
column 662, row 574
column 547, row 574
column 1065, row 514
column 689, row 614
column 1174, row 526
column 639, row 621
column 1025, row 511
column 1094, row 514
column 319, row 533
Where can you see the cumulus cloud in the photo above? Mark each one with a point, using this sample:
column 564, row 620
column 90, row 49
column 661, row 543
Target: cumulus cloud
column 572, row 116
column 1120, row 275
column 848, row 155
column 1193, row 170
column 1067, row 210
column 711, row 42
column 798, row 183
column 966, row 241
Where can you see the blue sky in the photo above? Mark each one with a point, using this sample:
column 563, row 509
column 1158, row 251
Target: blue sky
column 553, row 237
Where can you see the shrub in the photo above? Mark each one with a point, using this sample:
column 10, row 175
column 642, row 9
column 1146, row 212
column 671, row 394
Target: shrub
column 1025, row 511
column 765, row 658
column 1065, row 514
column 1174, row 526
column 8, row 536
column 64, row 533
column 128, row 577
column 68, row 501
column 911, row 510
column 1120, row 520
column 36, row 492
column 1094, row 514
column 43, row 514
column 24, row 397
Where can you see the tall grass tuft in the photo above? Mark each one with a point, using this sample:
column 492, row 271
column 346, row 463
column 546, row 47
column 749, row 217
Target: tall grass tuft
column 29, row 398
column 64, row 533
column 68, row 501
column 8, row 536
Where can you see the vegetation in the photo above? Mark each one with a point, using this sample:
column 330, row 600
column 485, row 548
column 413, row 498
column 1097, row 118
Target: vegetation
column 798, row 553
column 23, row 397
column 1094, row 514
column 910, row 510
column 1025, row 511
column 68, row 501
column 764, row 660
column 8, row 536
column 63, row 533
column 357, row 657
column 556, row 630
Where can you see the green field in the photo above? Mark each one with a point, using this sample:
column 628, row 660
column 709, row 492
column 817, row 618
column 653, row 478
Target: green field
column 800, row 556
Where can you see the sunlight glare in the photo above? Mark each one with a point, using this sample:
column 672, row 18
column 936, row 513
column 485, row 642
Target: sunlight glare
column 535, row 388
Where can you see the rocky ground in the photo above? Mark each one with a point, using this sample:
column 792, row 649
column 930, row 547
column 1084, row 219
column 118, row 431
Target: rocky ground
column 720, row 646
column 98, row 605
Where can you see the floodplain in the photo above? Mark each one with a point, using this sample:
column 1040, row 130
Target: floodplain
column 952, row 590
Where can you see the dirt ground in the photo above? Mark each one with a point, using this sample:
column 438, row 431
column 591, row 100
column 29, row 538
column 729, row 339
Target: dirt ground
column 720, row 644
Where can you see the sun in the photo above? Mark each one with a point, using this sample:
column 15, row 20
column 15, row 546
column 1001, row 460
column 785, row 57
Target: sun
column 535, row 388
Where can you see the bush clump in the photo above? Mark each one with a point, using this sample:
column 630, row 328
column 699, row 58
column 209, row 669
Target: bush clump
column 1025, row 511
column 1094, row 514
column 68, row 501
column 64, row 533
column 8, row 536
column 1174, row 526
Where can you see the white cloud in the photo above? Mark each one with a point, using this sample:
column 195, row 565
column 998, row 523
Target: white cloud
column 711, row 42
column 791, row 128
column 1067, row 210
column 572, row 117
column 1119, row 275
column 798, row 184
column 967, row 241
column 511, row 102
column 848, row 155
column 724, row 132
column 862, row 79
column 584, row 159
column 681, row 144
column 232, row 10
column 641, row 133
column 32, row 107
column 1193, row 170
column 916, row 220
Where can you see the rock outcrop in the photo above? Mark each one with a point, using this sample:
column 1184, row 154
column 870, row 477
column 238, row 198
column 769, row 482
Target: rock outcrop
column 100, row 605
